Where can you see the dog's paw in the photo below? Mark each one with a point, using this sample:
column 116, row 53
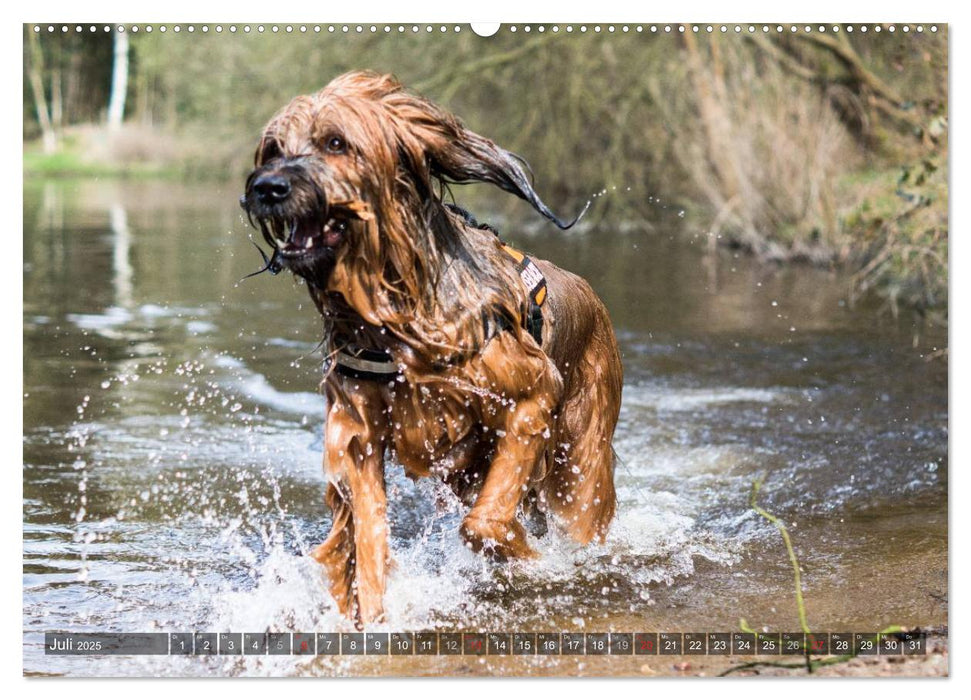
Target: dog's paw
column 496, row 539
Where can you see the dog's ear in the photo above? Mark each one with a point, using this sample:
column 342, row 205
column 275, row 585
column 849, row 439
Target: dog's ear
column 438, row 145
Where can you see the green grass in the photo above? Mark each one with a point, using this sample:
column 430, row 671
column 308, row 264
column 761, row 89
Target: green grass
column 69, row 163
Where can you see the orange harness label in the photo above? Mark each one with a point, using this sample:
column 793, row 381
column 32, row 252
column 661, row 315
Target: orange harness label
column 529, row 274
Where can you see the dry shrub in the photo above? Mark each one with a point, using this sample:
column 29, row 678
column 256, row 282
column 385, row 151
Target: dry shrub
column 139, row 143
column 133, row 146
column 764, row 150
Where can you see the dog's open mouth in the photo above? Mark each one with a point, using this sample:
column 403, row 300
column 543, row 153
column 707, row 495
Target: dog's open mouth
column 303, row 237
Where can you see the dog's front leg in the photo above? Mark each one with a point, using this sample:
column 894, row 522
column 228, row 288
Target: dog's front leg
column 355, row 552
column 491, row 524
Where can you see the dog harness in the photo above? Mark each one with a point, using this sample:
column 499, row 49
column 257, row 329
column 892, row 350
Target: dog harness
column 378, row 365
column 535, row 284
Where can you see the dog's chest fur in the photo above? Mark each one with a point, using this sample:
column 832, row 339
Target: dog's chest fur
column 445, row 420
column 433, row 423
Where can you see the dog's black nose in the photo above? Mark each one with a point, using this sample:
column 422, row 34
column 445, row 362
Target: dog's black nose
column 272, row 189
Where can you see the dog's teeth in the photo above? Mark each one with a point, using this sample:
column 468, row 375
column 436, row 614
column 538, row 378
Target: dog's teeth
column 309, row 243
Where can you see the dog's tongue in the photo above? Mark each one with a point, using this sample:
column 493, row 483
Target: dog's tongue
column 307, row 233
column 300, row 233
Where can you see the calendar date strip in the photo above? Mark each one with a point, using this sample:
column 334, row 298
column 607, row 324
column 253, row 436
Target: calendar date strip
column 484, row 643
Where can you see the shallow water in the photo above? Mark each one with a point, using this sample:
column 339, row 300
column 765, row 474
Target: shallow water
column 172, row 477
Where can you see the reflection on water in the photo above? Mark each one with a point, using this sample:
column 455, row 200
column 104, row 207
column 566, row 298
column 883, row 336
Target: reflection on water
column 172, row 474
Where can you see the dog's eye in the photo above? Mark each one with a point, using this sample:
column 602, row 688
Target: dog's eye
column 335, row 144
column 271, row 150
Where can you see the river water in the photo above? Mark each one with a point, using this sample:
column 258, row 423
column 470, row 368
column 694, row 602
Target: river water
column 172, row 439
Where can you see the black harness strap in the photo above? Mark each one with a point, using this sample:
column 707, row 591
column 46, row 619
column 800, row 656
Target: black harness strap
column 535, row 284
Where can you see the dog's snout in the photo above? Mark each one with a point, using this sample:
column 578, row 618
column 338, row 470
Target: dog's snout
column 272, row 188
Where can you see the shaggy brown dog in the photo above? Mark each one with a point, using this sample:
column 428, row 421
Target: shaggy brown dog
column 448, row 351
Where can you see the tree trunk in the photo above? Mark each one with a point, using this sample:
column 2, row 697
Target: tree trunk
column 57, row 103
column 119, row 81
column 36, row 75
